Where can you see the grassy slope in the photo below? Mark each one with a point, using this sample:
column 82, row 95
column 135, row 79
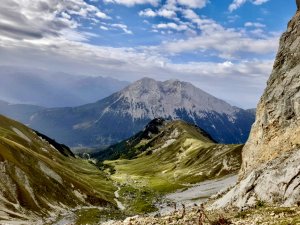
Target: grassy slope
column 35, row 179
column 189, row 157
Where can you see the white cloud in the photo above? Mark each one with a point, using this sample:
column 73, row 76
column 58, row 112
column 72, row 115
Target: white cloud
column 148, row 13
column 238, row 3
column 130, row 3
column 248, row 77
column 254, row 24
column 102, row 15
column 193, row 3
column 44, row 34
column 259, row 2
column 103, row 28
column 41, row 19
column 225, row 44
column 173, row 26
column 122, row 27
column 163, row 12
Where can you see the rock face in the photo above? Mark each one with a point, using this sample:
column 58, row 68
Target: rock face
column 277, row 126
column 275, row 182
column 270, row 169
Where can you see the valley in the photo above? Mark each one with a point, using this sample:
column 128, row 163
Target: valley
column 92, row 150
column 166, row 156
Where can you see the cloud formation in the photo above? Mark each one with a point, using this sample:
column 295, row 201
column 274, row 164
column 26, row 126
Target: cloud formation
column 238, row 3
column 65, row 36
column 130, row 3
column 41, row 19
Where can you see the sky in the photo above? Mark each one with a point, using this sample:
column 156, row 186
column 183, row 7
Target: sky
column 225, row 47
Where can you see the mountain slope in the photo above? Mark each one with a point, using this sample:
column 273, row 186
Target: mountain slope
column 37, row 180
column 166, row 156
column 19, row 112
column 171, row 154
column 154, row 133
column 270, row 170
column 124, row 113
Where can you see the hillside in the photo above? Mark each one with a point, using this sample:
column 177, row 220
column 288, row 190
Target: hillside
column 40, row 178
column 166, row 156
column 126, row 112
column 19, row 112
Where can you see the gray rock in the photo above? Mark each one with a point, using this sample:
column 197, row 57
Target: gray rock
column 277, row 126
column 271, row 157
column 277, row 181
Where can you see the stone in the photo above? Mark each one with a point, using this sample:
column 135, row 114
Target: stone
column 277, row 126
column 271, row 170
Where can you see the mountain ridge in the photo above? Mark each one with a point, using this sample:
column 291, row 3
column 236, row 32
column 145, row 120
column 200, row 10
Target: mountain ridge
column 126, row 112
column 39, row 87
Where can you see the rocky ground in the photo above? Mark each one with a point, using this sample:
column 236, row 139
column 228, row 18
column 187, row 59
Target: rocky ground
column 261, row 214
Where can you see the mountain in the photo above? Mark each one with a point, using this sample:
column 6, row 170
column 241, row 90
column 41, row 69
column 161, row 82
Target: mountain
column 19, row 112
column 38, row 87
column 40, row 178
column 126, row 112
column 270, row 170
column 155, row 133
column 164, row 157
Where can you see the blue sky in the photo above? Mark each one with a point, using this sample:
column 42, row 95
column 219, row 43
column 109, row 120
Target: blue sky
column 225, row 47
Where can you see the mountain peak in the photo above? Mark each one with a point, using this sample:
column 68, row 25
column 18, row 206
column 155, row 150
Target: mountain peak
column 162, row 97
column 120, row 115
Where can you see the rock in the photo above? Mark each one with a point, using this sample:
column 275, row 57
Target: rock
column 270, row 170
column 276, row 129
column 298, row 4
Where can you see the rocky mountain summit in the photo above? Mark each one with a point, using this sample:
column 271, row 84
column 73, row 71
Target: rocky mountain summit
column 270, row 170
column 126, row 112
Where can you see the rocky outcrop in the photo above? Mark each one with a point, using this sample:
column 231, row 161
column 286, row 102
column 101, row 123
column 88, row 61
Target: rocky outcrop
column 277, row 181
column 277, row 126
column 271, row 170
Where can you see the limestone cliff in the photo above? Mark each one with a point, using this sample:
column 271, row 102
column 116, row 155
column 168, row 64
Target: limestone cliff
column 277, row 126
column 271, row 158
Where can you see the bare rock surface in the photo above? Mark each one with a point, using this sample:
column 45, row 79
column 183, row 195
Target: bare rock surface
column 271, row 170
column 277, row 181
column 277, row 126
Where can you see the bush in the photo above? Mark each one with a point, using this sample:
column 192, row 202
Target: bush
column 260, row 204
column 221, row 221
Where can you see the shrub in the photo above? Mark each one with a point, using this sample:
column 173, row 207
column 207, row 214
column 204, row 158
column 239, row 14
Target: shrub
column 221, row 221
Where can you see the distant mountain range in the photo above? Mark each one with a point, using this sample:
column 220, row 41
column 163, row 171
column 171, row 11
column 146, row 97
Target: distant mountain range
column 20, row 112
column 54, row 90
column 126, row 112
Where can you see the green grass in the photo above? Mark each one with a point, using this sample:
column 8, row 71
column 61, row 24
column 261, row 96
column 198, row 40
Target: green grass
column 26, row 183
column 138, row 200
column 91, row 216
column 190, row 159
